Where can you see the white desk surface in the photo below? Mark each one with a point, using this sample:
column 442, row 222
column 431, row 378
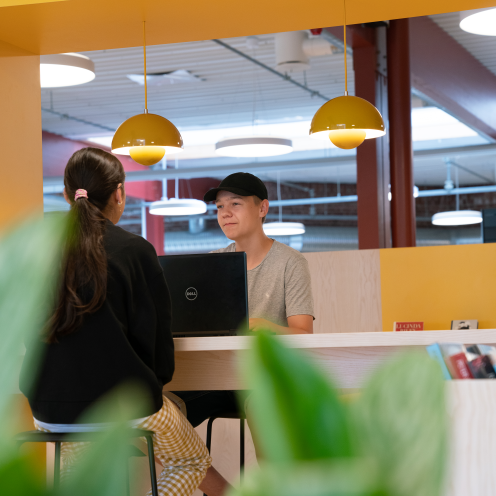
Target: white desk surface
column 211, row 362
column 342, row 340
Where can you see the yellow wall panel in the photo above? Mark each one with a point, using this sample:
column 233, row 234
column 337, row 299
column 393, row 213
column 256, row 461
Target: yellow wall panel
column 84, row 25
column 439, row 284
column 21, row 163
column 10, row 3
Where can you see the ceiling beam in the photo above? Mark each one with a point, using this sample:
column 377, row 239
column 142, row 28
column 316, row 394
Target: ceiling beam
column 52, row 184
column 447, row 74
column 219, row 170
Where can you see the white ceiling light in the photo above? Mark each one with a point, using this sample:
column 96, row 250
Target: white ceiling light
column 176, row 206
column 254, row 146
column 171, row 77
column 457, row 218
column 65, row 69
column 479, row 21
column 283, row 228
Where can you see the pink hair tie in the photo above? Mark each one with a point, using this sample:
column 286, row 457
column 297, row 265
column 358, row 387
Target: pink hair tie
column 81, row 193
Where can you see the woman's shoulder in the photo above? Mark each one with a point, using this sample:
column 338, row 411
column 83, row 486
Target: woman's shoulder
column 126, row 247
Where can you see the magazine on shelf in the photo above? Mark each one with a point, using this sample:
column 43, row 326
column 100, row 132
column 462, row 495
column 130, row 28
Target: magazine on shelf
column 434, row 351
column 490, row 352
column 479, row 363
column 456, row 360
column 408, row 326
column 459, row 325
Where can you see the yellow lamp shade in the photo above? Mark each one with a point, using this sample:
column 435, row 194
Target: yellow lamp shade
column 147, row 138
column 344, row 116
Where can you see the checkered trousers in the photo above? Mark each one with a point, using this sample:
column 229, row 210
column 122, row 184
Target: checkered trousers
column 179, row 448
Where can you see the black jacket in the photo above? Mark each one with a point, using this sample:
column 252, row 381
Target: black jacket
column 127, row 339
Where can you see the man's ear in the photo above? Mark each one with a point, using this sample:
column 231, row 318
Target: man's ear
column 264, row 207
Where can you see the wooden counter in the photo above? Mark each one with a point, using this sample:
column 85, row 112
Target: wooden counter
column 349, row 358
column 210, row 363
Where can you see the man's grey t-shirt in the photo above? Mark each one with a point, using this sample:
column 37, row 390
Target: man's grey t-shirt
column 280, row 286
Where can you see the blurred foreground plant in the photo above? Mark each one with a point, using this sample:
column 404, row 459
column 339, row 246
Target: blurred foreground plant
column 390, row 442
column 29, row 267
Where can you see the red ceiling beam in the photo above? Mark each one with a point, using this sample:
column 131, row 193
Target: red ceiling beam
column 453, row 78
column 57, row 150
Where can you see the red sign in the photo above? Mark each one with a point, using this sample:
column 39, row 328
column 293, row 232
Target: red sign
column 408, row 326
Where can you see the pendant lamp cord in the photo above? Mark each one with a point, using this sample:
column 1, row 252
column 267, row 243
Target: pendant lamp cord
column 144, row 58
column 345, row 53
column 279, row 195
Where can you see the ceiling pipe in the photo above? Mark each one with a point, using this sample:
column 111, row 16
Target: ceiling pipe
column 55, row 184
column 353, row 198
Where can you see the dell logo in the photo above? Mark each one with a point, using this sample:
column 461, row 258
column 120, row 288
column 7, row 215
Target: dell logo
column 191, row 294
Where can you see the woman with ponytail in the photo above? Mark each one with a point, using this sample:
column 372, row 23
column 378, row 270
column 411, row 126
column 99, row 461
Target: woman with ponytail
column 110, row 326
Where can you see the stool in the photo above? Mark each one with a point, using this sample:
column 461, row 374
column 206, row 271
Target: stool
column 230, row 415
column 60, row 437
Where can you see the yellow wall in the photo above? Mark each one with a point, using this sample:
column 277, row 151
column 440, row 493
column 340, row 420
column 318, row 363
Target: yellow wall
column 84, row 25
column 439, row 284
column 21, row 165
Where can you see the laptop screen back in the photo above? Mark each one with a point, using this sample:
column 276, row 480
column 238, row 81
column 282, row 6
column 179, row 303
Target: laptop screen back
column 209, row 293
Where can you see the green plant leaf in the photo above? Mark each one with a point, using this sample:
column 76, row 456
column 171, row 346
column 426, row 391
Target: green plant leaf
column 402, row 423
column 296, row 411
column 345, row 477
column 101, row 470
column 16, row 478
column 28, row 270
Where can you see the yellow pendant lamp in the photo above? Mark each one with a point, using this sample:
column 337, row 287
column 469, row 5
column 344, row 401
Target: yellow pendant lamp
column 146, row 137
column 347, row 120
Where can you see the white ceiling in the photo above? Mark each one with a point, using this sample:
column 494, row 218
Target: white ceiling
column 483, row 48
column 232, row 87
column 235, row 92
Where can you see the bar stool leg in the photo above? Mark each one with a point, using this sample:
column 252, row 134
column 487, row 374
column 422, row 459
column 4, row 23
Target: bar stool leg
column 56, row 470
column 151, row 460
column 241, row 449
column 209, row 435
column 209, row 432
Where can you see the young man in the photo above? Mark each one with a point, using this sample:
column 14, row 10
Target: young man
column 279, row 290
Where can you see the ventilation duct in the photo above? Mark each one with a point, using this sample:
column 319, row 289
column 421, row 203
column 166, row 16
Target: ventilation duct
column 295, row 48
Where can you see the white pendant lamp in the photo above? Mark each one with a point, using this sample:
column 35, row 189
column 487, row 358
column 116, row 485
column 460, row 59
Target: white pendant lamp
column 65, row 69
column 254, row 146
column 347, row 120
column 457, row 218
column 282, row 228
column 176, row 206
column 479, row 21
column 146, row 137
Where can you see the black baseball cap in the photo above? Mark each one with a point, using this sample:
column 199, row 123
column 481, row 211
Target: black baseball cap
column 239, row 183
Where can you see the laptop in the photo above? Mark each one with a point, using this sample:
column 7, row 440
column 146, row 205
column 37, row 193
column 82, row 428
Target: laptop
column 209, row 293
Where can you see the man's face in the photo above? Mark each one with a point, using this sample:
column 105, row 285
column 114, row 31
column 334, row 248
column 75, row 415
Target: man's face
column 238, row 216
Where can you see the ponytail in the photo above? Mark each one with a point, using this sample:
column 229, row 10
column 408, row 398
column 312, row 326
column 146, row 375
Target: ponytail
column 84, row 269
